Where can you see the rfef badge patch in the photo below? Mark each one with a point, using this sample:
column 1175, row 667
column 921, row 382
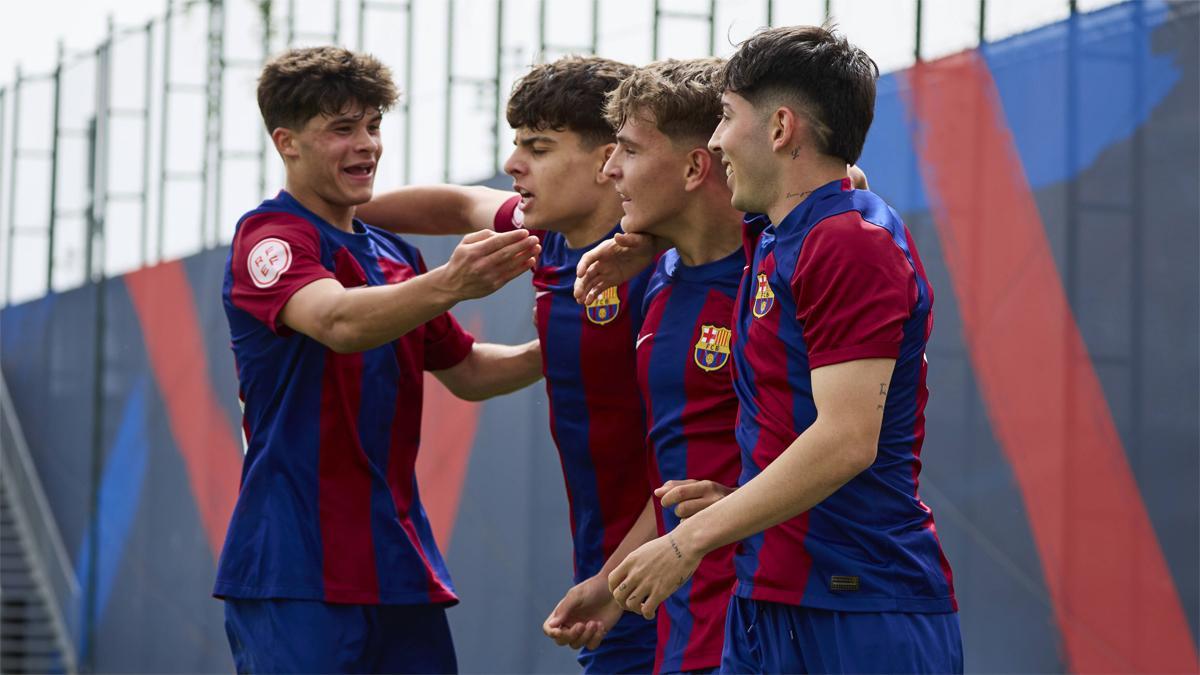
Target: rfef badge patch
column 604, row 308
column 712, row 349
column 764, row 297
column 268, row 260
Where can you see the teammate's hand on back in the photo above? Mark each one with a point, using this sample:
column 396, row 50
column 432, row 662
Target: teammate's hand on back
column 690, row 497
column 612, row 263
column 584, row 616
column 484, row 261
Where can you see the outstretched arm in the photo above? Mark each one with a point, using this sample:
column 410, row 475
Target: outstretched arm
column 491, row 370
column 434, row 209
column 356, row 319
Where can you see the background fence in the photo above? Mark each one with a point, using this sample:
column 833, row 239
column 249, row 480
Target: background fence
column 1050, row 178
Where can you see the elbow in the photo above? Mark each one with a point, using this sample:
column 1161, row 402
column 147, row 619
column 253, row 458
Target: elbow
column 862, row 455
column 342, row 338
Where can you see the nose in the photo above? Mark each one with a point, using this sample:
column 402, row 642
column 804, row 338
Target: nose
column 513, row 166
column 714, row 142
column 612, row 167
column 366, row 141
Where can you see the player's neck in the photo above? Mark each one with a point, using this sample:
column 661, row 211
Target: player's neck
column 707, row 230
column 341, row 217
column 799, row 178
column 596, row 225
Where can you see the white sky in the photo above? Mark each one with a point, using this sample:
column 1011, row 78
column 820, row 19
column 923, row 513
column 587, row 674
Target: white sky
column 31, row 30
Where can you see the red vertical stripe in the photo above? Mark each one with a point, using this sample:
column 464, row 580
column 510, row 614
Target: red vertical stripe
column 609, row 371
column 344, row 485
column 1113, row 594
column 212, row 453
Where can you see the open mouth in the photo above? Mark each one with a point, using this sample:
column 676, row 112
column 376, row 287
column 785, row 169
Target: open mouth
column 360, row 171
column 526, row 195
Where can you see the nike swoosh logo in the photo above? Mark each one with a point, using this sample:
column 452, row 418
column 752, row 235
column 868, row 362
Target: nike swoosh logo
column 540, row 294
column 642, row 339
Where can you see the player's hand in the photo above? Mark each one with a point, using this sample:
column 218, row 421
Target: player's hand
column 690, row 497
column 857, row 178
column 612, row 263
column 584, row 616
column 652, row 573
column 485, row 260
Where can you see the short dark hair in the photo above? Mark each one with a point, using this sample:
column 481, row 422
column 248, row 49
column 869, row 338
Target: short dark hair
column 684, row 97
column 815, row 66
column 567, row 94
column 300, row 84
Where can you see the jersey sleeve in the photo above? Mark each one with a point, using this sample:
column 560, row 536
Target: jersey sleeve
column 274, row 255
column 854, row 290
column 509, row 217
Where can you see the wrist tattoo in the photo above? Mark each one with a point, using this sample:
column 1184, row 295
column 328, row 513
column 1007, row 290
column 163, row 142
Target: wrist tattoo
column 671, row 538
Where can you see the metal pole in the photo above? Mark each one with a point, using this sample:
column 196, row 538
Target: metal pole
column 829, row 11
column 917, row 45
column 770, row 12
column 449, row 89
column 982, row 21
column 146, row 140
column 712, row 27
column 497, row 95
column 164, row 131
column 595, row 26
column 362, row 23
column 541, row 31
column 337, row 22
column 408, row 86
column 291, row 23
column 265, row 15
column 12, row 189
column 98, row 184
column 214, row 145
column 657, row 18
column 52, row 222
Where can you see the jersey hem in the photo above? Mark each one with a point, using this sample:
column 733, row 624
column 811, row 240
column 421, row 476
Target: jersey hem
column 344, row 597
column 943, row 605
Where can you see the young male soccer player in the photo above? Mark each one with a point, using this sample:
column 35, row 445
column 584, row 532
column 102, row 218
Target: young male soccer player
column 673, row 188
column 329, row 564
column 839, row 567
column 596, row 418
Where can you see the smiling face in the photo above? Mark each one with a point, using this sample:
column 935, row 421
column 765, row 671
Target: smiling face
column 331, row 160
column 742, row 140
column 557, row 174
column 649, row 172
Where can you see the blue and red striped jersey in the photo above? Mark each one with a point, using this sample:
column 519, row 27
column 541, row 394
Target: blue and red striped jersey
column 328, row 507
column 684, row 374
column 596, row 417
column 839, row 279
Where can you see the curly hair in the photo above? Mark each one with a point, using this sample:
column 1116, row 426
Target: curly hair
column 682, row 96
column 300, row 84
column 567, row 94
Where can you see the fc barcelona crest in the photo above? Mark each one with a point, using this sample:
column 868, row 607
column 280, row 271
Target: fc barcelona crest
column 764, row 297
column 604, row 308
column 712, row 349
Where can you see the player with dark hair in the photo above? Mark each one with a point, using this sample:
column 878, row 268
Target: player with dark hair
column 329, row 563
column 838, row 564
column 596, row 417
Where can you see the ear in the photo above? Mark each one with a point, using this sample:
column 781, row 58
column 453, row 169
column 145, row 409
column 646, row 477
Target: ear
column 699, row 165
column 784, row 128
column 603, row 152
column 285, row 143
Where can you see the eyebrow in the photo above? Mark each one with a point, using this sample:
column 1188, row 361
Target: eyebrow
column 351, row 118
column 626, row 141
column 530, row 140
